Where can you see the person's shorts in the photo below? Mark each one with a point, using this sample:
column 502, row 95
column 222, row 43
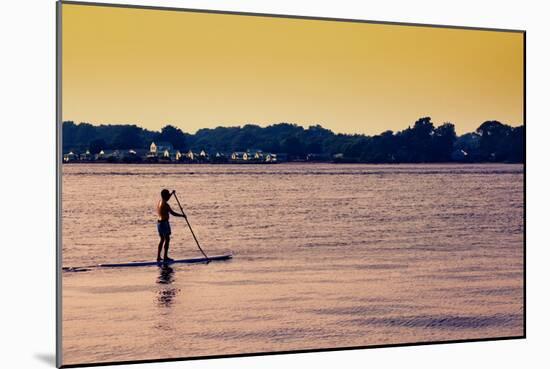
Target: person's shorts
column 164, row 228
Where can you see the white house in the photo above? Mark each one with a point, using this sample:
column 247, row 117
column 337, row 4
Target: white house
column 152, row 154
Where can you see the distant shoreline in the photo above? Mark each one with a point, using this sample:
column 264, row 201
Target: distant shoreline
column 423, row 142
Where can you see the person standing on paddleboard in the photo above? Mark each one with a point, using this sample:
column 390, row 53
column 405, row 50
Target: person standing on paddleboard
column 163, row 224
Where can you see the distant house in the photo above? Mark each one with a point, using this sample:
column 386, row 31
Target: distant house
column 152, row 154
column 179, row 156
column 153, row 148
column 192, row 156
column 112, row 154
column 259, row 155
column 203, row 155
column 109, row 155
column 164, row 156
column 247, row 156
column 86, row 156
column 219, row 158
column 134, row 156
column 69, row 157
column 100, row 155
column 237, row 155
column 271, row 158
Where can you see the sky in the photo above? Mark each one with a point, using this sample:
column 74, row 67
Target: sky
column 198, row 70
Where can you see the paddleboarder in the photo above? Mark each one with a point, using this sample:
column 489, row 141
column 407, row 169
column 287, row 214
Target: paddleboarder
column 163, row 223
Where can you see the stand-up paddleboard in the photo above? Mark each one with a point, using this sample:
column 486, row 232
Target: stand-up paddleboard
column 161, row 263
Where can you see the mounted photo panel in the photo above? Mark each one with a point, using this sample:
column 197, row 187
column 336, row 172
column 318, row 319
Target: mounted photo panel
column 236, row 184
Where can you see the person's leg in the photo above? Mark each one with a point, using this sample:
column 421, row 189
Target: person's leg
column 166, row 245
column 161, row 243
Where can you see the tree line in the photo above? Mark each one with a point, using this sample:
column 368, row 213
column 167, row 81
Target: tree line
column 493, row 141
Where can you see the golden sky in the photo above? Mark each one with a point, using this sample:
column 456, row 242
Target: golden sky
column 197, row 70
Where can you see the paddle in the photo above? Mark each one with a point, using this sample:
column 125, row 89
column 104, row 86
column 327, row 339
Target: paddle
column 191, row 229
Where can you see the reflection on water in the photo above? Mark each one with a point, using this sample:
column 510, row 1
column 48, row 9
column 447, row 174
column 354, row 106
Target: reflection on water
column 166, row 295
column 324, row 256
column 166, row 275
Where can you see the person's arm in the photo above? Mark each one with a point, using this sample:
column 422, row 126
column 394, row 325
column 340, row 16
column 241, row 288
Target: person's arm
column 174, row 213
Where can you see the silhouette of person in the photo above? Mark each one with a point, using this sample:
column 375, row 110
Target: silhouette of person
column 163, row 223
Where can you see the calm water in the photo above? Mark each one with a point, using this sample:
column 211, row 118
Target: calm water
column 324, row 256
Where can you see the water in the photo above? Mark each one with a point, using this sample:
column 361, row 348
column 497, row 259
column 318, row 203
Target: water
column 324, row 256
